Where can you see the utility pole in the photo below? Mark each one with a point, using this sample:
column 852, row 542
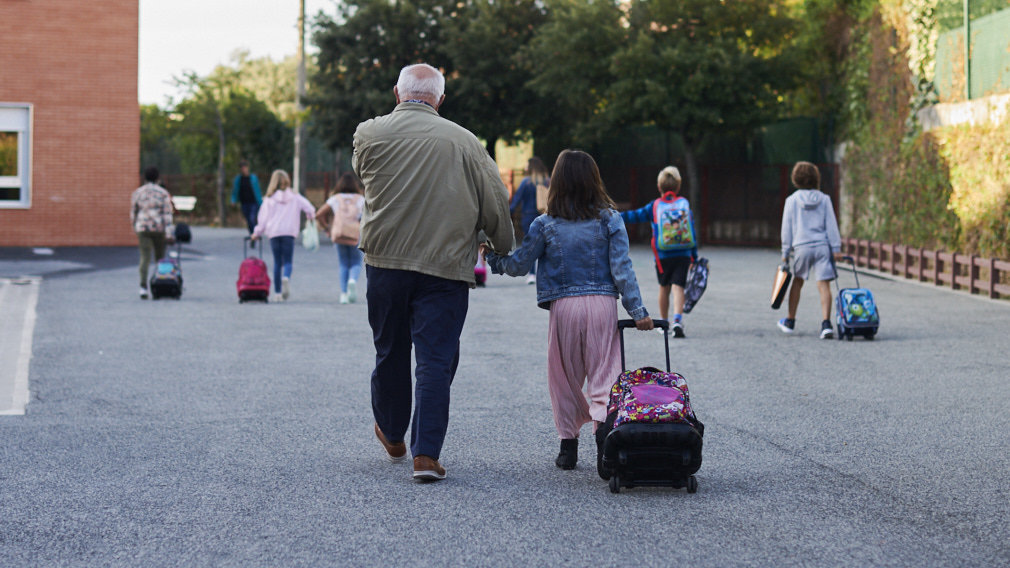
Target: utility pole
column 967, row 50
column 299, row 166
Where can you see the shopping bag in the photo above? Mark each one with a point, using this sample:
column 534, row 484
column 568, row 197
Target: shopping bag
column 310, row 236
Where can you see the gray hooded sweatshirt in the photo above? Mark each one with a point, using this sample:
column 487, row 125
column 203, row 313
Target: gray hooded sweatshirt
column 808, row 220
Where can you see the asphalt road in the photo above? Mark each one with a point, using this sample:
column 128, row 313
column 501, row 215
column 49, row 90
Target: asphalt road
column 202, row 432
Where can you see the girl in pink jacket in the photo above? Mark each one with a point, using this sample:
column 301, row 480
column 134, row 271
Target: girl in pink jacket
column 279, row 220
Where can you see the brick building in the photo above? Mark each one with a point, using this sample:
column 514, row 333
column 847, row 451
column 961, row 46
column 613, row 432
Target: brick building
column 69, row 122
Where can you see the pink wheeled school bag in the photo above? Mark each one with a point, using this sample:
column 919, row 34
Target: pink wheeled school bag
column 253, row 279
column 651, row 436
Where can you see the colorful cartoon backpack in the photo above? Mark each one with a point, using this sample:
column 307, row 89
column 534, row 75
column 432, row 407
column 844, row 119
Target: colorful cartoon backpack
column 858, row 306
column 651, row 396
column 673, row 218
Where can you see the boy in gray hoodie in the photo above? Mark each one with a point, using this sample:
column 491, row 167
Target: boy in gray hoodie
column 810, row 232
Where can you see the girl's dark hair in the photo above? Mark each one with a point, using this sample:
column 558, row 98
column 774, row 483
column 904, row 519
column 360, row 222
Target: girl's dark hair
column 348, row 183
column 537, row 171
column 576, row 190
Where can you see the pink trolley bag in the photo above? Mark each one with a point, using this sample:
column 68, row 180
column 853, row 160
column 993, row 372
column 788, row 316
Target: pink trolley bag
column 651, row 436
column 253, row 279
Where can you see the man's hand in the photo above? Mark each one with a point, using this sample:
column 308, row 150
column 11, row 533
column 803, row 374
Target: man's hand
column 644, row 324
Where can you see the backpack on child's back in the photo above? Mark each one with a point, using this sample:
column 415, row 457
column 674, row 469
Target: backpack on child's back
column 346, row 226
column 542, row 191
column 673, row 218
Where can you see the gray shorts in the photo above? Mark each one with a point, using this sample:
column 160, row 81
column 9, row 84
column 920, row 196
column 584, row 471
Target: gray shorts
column 813, row 261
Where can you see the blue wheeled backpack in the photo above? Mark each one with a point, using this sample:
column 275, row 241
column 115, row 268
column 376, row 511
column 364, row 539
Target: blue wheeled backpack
column 856, row 311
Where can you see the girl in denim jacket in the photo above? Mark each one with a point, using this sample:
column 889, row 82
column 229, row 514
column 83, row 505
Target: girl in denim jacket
column 580, row 247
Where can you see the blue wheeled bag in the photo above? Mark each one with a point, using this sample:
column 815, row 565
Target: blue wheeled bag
column 855, row 310
column 649, row 438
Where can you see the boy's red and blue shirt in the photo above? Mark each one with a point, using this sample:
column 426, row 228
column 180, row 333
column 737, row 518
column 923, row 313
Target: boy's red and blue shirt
column 645, row 215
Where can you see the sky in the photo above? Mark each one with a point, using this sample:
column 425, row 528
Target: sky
column 197, row 35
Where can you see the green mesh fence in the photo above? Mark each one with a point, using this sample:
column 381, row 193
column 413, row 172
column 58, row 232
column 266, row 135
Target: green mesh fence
column 990, row 58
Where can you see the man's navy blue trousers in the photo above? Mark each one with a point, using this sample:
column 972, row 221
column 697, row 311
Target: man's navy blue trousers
column 408, row 310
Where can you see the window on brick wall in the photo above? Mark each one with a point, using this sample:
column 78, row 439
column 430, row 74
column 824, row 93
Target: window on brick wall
column 15, row 155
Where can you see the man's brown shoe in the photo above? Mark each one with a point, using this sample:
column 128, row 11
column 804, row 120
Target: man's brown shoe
column 428, row 469
column 395, row 452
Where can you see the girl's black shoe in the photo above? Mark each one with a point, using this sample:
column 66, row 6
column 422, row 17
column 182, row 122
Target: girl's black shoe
column 569, row 453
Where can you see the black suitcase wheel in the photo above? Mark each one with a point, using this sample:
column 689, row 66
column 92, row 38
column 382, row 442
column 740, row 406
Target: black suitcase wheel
column 615, row 485
column 692, row 484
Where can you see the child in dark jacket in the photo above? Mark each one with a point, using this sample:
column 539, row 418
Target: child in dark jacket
column 674, row 243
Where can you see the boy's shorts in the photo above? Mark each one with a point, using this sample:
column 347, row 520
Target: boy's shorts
column 813, row 261
column 674, row 271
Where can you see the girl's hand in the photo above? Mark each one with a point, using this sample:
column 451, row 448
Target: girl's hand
column 644, row 324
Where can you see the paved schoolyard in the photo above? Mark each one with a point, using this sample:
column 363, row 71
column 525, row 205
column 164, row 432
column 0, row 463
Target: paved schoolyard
column 204, row 432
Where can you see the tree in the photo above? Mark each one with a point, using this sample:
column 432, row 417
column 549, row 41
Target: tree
column 569, row 59
column 695, row 67
column 360, row 57
column 219, row 123
column 486, row 89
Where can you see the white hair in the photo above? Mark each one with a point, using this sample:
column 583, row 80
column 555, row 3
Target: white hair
column 420, row 79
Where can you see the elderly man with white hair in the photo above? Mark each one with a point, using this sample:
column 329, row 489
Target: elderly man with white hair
column 430, row 188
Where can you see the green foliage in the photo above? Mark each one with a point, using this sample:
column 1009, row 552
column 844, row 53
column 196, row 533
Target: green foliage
column 250, row 130
column 697, row 66
column 980, row 177
column 275, row 83
column 569, row 57
column 487, row 92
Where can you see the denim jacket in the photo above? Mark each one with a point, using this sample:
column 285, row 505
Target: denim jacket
column 576, row 258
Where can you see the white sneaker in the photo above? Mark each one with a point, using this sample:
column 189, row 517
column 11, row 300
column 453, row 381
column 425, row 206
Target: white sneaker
column 531, row 279
column 143, row 294
column 677, row 329
column 285, row 288
column 344, row 299
column 660, row 330
column 277, row 298
column 352, row 291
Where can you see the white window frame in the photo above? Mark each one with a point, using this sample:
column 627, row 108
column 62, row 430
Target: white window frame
column 19, row 118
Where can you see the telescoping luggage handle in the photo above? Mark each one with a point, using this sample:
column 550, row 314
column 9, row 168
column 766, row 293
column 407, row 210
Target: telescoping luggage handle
column 854, row 271
column 625, row 323
column 245, row 242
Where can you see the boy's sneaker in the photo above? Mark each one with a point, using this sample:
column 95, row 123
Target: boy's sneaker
column 531, row 279
column 143, row 294
column 677, row 328
column 660, row 330
column 352, row 291
column 344, row 299
column 787, row 325
column 826, row 331
column 285, row 288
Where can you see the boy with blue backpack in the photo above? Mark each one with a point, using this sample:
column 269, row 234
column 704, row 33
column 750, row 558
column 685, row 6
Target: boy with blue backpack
column 674, row 242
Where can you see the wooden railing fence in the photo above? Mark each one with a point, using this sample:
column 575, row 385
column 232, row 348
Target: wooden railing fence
column 975, row 274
